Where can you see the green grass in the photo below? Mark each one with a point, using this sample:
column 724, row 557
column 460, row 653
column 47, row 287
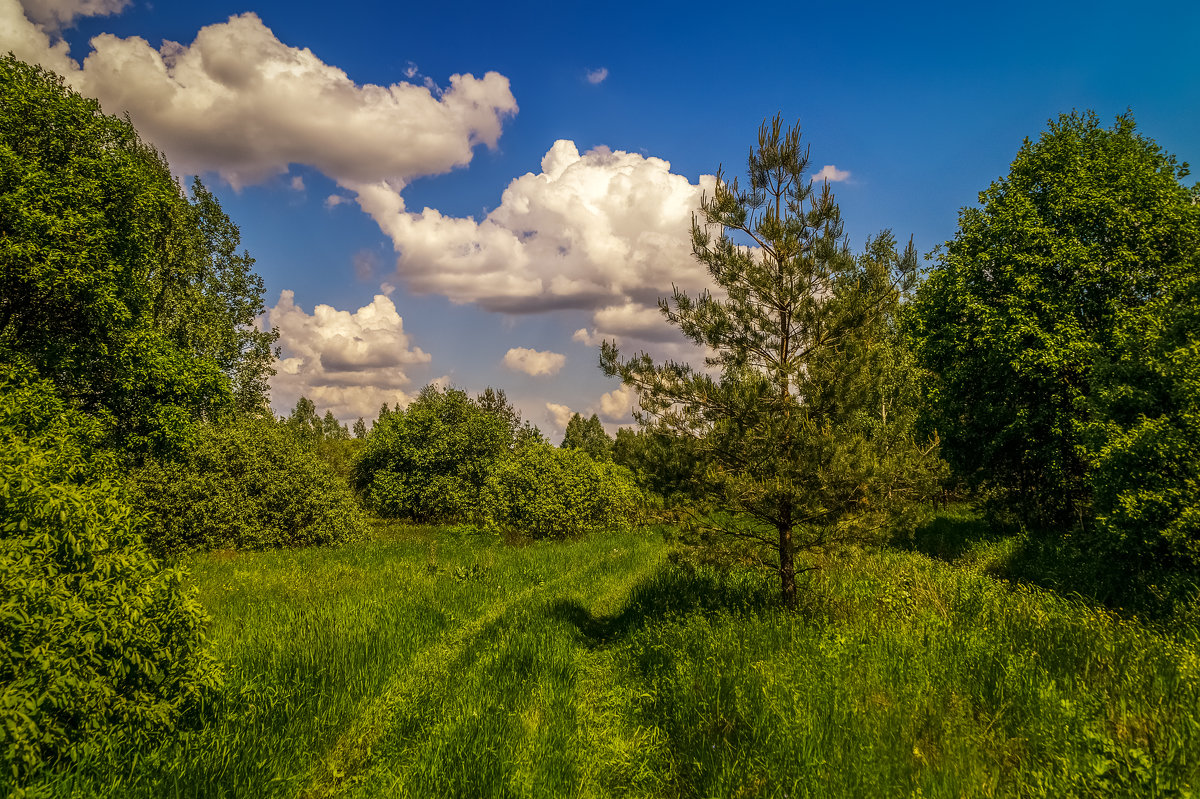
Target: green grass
column 430, row 664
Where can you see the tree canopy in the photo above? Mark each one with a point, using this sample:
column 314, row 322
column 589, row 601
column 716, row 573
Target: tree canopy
column 1089, row 230
column 132, row 299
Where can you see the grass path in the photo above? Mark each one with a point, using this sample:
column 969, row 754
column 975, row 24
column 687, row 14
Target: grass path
column 431, row 664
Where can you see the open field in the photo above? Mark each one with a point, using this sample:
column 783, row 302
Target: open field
column 432, row 664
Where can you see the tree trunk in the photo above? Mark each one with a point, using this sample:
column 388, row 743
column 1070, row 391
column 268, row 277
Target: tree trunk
column 787, row 568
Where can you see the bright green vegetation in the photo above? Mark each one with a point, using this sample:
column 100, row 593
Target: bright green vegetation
column 100, row 647
column 449, row 458
column 246, row 484
column 432, row 663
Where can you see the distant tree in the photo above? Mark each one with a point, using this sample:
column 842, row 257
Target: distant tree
column 332, row 429
column 131, row 299
column 1090, row 227
column 304, row 424
column 589, row 436
column 801, row 432
column 495, row 402
column 360, row 428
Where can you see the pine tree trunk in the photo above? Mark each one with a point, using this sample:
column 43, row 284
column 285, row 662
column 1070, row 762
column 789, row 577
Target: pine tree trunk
column 787, row 568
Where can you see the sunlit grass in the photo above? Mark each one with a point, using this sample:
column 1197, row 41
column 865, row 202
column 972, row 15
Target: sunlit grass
column 432, row 664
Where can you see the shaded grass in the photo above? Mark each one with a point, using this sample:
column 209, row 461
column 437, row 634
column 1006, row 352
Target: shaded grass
column 430, row 663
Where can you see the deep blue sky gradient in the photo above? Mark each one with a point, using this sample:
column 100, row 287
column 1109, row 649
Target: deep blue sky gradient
column 925, row 104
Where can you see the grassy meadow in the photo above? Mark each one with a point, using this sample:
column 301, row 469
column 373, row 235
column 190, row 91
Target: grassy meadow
column 434, row 663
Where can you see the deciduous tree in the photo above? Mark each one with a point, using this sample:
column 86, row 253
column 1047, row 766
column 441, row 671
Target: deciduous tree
column 1090, row 227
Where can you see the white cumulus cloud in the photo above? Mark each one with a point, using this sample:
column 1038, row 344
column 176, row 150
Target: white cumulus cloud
column 240, row 102
column 607, row 232
column 559, row 414
column 534, row 362
column 346, row 362
column 832, row 174
column 617, row 405
column 595, row 76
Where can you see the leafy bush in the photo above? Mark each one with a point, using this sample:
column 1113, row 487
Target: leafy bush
column 98, row 645
column 245, row 485
column 430, row 463
column 1144, row 443
column 545, row 492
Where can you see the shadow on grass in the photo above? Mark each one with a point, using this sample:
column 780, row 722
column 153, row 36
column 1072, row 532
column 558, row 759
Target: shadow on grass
column 674, row 591
column 1069, row 562
column 951, row 535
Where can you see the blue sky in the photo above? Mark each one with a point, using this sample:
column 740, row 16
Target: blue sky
column 922, row 106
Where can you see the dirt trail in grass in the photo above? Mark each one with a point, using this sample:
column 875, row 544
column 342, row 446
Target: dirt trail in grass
column 515, row 685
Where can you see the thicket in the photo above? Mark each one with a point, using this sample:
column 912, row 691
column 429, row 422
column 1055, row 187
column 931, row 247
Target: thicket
column 100, row 647
column 245, row 484
column 451, row 458
column 547, row 492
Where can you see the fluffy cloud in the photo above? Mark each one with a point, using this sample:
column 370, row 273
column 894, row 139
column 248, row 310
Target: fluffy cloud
column 606, row 232
column 54, row 15
column 240, row 102
column 346, row 362
column 617, row 405
column 832, row 174
column 595, row 76
column 559, row 414
column 534, row 362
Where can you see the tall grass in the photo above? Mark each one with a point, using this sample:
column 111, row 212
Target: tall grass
column 430, row 664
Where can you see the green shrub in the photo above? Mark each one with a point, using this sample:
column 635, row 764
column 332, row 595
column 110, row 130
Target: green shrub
column 245, row 485
column 1144, row 443
column 545, row 492
column 430, row 463
column 99, row 647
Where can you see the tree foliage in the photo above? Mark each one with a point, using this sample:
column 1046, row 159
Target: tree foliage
column 1089, row 228
column 800, row 424
column 1143, row 437
column 663, row 462
column 99, row 645
column 247, row 484
column 131, row 299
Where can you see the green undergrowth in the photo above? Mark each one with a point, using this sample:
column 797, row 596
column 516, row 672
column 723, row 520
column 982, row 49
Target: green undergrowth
column 433, row 663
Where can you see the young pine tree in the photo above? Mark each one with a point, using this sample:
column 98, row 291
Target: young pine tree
column 804, row 412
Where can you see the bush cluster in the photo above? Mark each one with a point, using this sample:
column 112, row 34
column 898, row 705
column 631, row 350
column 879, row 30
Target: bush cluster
column 99, row 645
column 451, row 458
column 546, row 492
column 244, row 485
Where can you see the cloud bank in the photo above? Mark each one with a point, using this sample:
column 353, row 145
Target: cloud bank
column 239, row 102
column 606, row 232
